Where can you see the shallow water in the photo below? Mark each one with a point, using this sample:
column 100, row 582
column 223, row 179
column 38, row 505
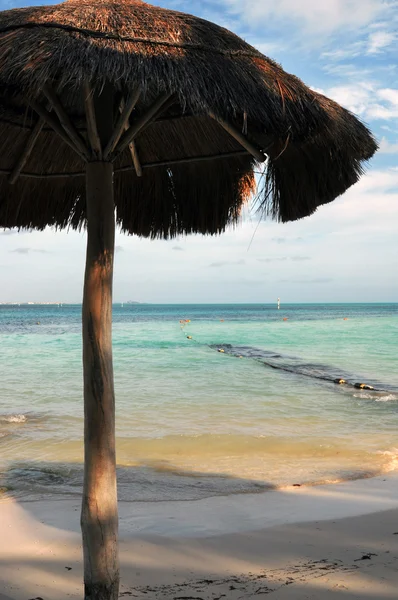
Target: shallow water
column 193, row 421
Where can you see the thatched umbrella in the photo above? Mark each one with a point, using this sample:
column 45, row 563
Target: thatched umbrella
column 119, row 105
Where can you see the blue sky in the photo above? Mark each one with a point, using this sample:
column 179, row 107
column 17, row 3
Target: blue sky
column 346, row 252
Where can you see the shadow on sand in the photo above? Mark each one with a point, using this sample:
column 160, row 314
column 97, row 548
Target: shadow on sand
column 232, row 547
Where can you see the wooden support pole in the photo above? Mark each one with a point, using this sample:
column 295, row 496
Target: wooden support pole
column 26, row 152
column 122, row 121
column 55, row 125
column 99, row 517
column 159, row 105
column 92, row 130
column 65, row 121
column 239, row 137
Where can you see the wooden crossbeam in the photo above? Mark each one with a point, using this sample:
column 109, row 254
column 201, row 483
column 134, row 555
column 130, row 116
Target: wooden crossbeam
column 65, row 121
column 92, row 130
column 189, row 160
column 162, row 163
column 55, row 126
column 158, row 106
column 239, row 137
column 123, row 121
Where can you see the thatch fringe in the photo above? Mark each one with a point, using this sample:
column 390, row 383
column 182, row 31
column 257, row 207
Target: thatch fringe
column 167, row 204
column 302, row 176
column 195, row 198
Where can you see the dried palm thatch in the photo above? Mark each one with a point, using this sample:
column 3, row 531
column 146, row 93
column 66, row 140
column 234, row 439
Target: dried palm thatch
column 195, row 175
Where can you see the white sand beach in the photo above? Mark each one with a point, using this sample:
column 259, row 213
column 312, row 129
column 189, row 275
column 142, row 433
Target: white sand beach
column 331, row 542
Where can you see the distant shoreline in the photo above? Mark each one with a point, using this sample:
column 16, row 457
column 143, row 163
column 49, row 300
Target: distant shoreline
column 131, row 303
column 61, row 303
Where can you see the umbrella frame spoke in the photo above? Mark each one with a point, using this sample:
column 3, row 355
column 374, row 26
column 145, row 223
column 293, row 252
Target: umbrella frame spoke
column 15, row 173
column 132, row 145
column 55, row 126
column 92, row 130
column 123, row 120
column 65, row 121
column 135, row 158
column 158, row 107
column 239, row 137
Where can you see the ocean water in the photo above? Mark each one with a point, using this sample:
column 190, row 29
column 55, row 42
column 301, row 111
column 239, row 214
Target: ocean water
column 211, row 399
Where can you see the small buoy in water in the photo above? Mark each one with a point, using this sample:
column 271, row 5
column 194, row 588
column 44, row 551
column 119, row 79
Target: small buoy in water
column 221, row 320
column 340, row 381
column 285, row 318
column 345, row 319
column 221, row 350
column 189, row 337
column 363, row 386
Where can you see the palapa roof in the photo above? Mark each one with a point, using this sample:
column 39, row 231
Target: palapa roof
column 195, row 174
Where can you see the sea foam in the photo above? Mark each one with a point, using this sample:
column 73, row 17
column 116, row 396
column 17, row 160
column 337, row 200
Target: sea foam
column 13, row 418
column 385, row 398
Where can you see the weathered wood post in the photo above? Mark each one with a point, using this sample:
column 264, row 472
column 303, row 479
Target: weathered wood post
column 99, row 517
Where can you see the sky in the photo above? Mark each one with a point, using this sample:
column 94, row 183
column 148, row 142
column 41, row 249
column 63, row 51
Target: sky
column 346, row 252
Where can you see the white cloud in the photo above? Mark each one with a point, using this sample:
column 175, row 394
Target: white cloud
column 390, row 95
column 387, row 147
column 382, row 112
column 387, row 128
column 268, row 48
column 315, row 15
column 357, row 97
column 348, row 71
column 366, row 99
column 383, row 104
column 227, row 263
column 377, row 181
column 380, row 40
column 376, row 43
column 28, row 250
column 350, row 51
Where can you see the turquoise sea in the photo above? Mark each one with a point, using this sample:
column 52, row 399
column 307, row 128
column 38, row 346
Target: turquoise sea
column 248, row 403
